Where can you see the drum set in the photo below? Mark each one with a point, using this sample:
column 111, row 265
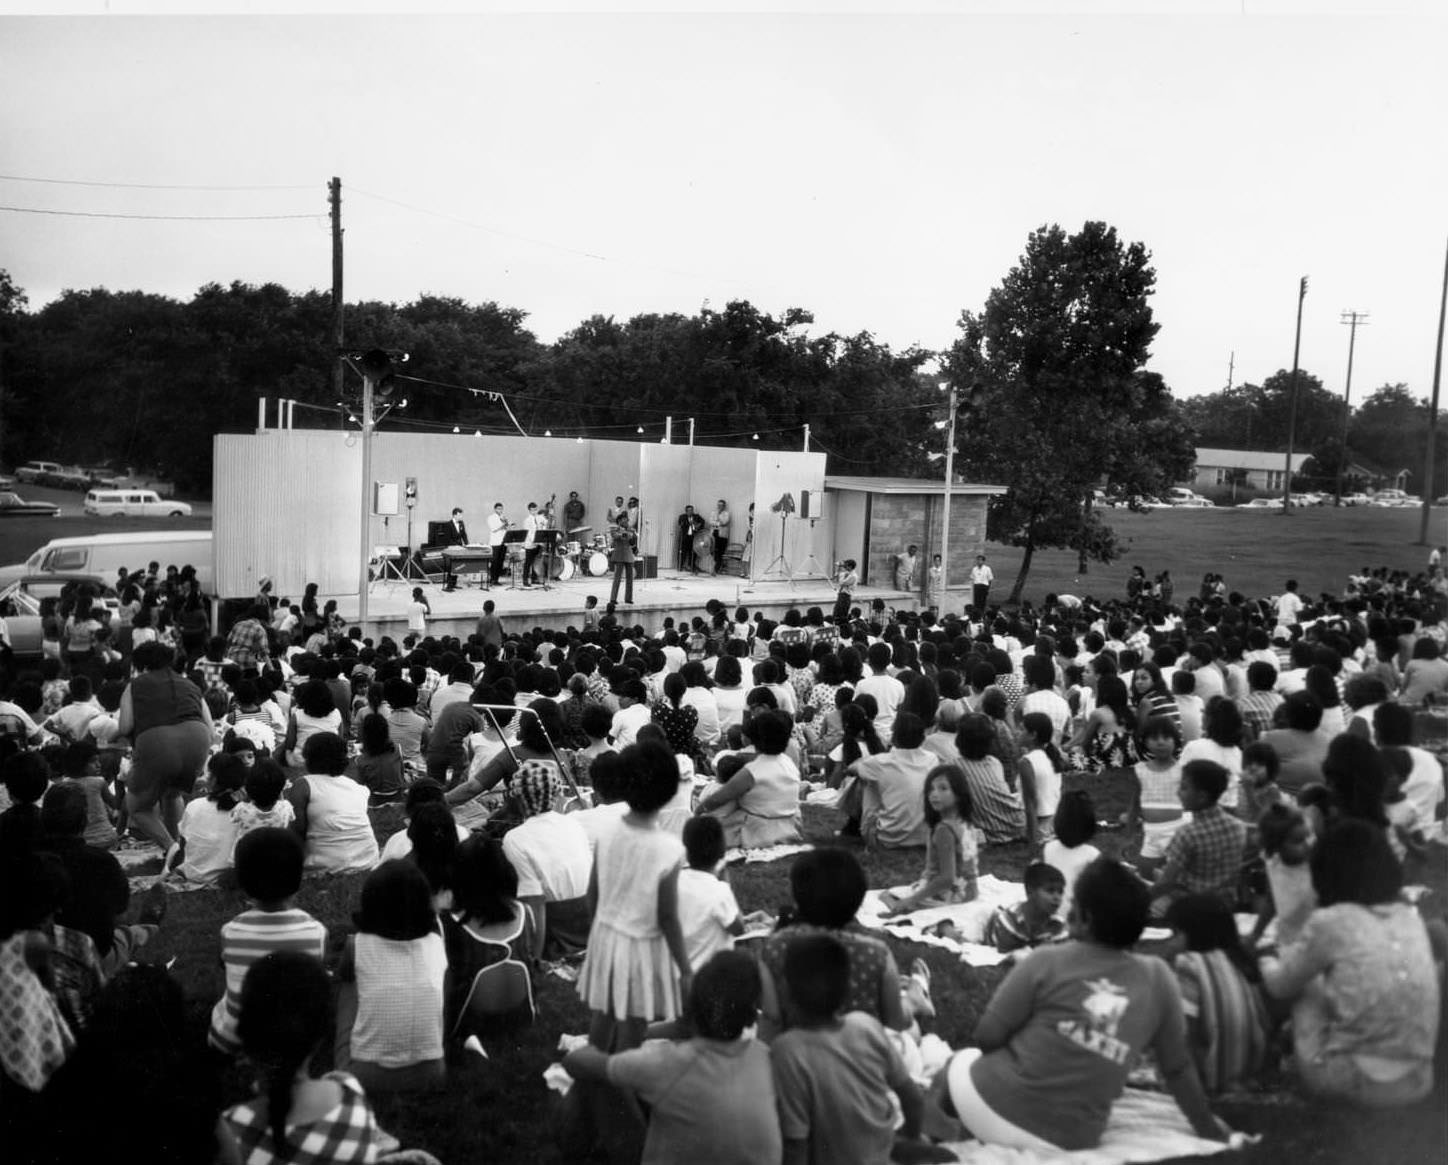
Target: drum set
column 578, row 557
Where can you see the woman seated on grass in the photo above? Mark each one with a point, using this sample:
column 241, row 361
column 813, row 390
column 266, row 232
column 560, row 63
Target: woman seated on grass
column 1067, row 1025
column 331, row 810
column 759, row 804
column 1361, row 977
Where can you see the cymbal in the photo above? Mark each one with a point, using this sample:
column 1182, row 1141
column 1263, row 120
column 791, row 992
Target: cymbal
column 580, row 529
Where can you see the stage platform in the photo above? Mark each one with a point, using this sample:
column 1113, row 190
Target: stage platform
column 673, row 593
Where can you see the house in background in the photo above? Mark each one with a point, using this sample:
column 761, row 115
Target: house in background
column 1372, row 477
column 1256, row 468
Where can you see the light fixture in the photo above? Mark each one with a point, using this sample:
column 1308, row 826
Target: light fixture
column 456, row 429
column 580, row 440
column 402, row 404
column 641, row 428
column 352, row 417
column 478, row 433
column 755, row 437
column 547, row 432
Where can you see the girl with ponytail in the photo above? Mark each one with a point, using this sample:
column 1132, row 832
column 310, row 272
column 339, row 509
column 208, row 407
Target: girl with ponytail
column 286, row 1013
column 1040, row 771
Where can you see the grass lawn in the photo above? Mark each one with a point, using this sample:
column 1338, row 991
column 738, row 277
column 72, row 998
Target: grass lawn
column 498, row 1110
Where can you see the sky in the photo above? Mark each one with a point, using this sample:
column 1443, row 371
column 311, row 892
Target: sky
column 881, row 171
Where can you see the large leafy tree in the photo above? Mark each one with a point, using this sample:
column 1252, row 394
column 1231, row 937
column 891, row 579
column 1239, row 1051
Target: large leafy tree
column 1056, row 392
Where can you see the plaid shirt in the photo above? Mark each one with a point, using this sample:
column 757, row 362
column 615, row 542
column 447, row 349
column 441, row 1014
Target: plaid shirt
column 1257, row 709
column 247, row 644
column 1206, row 855
column 346, row 1134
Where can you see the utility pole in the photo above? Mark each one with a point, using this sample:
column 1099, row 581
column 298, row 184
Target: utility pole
column 806, row 436
column 1292, row 407
column 1352, row 319
column 945, row 500
column 365, row 554
column 1231, row 367
column 1433, row 414
column 334, row 189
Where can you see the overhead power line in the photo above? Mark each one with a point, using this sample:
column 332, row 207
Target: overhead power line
column 140, row 185
column 161, row 217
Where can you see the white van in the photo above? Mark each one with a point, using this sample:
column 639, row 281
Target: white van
column 133, row 503
column 103, row 555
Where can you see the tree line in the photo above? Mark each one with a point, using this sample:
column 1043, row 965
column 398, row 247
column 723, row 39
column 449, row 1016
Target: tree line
column 1055, row 398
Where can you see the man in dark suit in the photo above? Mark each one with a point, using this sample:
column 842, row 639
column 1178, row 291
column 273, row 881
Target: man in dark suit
column 457, row 535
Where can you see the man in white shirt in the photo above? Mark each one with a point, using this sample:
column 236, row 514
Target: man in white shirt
column 981, row 577
column 533, row 523
column 497, row 527
column 721, row 523
column 458, row 688
column 888, row 692
column 632, row 714
column 1289, row 605
column 1041, row 695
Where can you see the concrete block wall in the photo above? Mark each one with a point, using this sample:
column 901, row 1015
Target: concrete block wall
column 897, row 520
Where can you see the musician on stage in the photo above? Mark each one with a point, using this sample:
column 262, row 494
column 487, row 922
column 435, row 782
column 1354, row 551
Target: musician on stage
column 690, row 525
column 457, row 535
column 845, row 580
column 533, row 523
column 617, row 513
column 621, row 554
column 497, row 527
column 721, row 523
column 573, row 511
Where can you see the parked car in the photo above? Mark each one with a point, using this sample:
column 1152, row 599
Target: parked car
column 1181, row 496
column 6, row 481
column 20, row 607
column 1358, row 499
column 101, row 477
column 133, row 503
column 71, row 477
column 1261, row 504
column 1394, row 498
column 39, row 472
column 12, row 505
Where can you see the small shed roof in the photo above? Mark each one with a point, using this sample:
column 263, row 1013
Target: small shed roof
column 1248, row 459
column 909, row 485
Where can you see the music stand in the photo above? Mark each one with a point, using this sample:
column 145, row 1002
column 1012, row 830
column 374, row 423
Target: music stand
column 513, row 538
column 547, row 543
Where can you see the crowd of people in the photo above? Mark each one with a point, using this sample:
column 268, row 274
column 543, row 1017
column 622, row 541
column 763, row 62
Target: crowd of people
column 570, row 794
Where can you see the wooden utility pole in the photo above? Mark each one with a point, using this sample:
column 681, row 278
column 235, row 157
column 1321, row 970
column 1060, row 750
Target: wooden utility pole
column 1292, row 406
column 1433, row 414
column 334, row 189
column 1352, row 319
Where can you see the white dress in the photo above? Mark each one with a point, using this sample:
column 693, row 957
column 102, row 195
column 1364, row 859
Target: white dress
column 628, row 971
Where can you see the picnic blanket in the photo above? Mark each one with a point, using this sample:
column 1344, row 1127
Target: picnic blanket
column 968, row 918
column 770, row 853
column 1144, row 1126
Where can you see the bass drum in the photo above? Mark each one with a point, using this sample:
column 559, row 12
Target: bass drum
column 564, row 569
column 597, row 563
column 704, row 552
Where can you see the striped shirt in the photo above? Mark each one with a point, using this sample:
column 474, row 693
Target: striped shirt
column 1257, row 710
column 1226, row 1019
column 251, row 935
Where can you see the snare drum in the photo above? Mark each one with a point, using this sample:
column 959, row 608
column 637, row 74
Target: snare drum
column 598, row 563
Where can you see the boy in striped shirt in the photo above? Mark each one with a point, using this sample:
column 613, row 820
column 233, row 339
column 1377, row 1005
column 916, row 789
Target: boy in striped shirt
column 269, row 870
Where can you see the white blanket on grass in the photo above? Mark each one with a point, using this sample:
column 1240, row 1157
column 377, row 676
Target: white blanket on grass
column 1144, row 1126
column 770, row 853
column 969, row 918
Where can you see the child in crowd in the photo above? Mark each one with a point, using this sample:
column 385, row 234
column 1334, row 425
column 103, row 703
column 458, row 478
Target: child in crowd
column 207, row 834
column 1207, row 854
column 828, row 885
column 680, row 808
column 435, row 837
column 1221, row 987
column 210, row 665
column 1071, row 851
column 707, row 909
column 378, row 764
column 1158, row 777
column 610, row 784
column 418, row 612
column 54, row 687
column 1286, row 841
column 1406, row 831
column 82, row 766
column 1259, row 781
column 952, row 866
column 711, row 1097
column 590, row 614
column 636, row 956
column 1034, row 920
column 1040, row 768
column 80, row 707
column 834, row 1071
column 595, row 723
column 264, row 807
column 26, row 778
column 269, row 871
column 419, row 793
column 1189, row 704
column 286, row 1011
column 398, row 962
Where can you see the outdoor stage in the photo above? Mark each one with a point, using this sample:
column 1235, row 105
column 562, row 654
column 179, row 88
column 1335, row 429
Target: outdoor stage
column 673, row 593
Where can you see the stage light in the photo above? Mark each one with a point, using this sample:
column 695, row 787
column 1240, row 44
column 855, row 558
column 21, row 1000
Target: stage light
column 547, row 432
column 755, row 437
column 477, row 433
column 641, row 428
column 580, row 440
column 456, row 429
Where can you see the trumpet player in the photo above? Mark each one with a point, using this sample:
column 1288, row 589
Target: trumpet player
column 497, row 527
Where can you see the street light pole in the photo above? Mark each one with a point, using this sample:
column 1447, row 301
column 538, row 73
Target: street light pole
column 1292, row 407
column 945, row 502
column 1433, row 414
column 368, row 384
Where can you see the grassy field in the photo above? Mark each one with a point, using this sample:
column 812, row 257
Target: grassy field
column 498, row 1110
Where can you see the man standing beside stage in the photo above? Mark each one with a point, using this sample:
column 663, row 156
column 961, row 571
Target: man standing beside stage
column 722, row 521
column 981, row 576
column 497, row 527
column 690, row 526
column 622, row 557
column 457, row 536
